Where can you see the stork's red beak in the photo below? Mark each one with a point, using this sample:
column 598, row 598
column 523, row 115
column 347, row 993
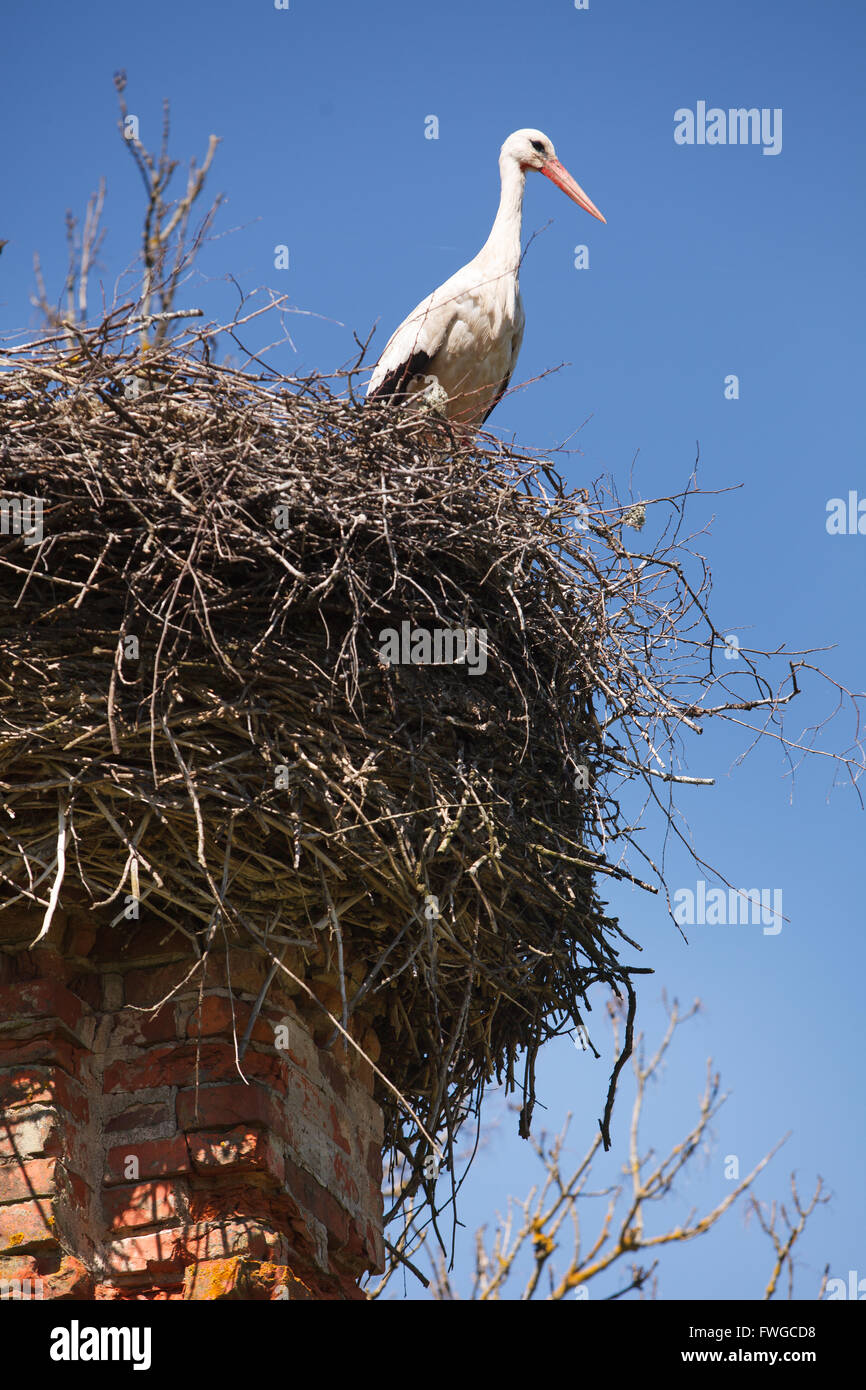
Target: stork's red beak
column 558, row 174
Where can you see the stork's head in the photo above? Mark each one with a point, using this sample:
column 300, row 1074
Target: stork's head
column 531, row 149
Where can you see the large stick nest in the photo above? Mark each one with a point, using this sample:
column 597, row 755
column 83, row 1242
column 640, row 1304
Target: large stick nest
column 194, row 708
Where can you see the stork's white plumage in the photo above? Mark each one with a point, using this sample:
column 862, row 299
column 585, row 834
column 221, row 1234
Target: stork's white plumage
column 467, row 334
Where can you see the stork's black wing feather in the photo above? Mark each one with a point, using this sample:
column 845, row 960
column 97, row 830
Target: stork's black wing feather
column 498, row 397
column 397, row 380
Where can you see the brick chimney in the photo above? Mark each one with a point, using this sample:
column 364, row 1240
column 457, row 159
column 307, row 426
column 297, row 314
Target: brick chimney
column 140, row 1160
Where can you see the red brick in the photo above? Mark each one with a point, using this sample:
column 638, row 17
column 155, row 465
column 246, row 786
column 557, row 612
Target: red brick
column 28, row 1135
column 87, row 988
column 41, row 999
column 32, row 1085
column 317, row 1201
column 298, row 1047
column 79, row 939
column 50, row 963
column 268, row 1066
column 71, row 1282
column 374, row 1162
column 333, row 1072
column 21, row 1181
column 41, row 1177
column 130, row 943
column 18, row 1266
column 247, row 968
column 374, row 1243
column 158, row 1027
column 212, row 1015
column 215, row 1107
column 281, row 1283
column 26, row 1224
column 147, row 1116
column 134, row 1254
column 218, row 1014
column 143, row 1204
column 78, row 1189
column 69, row 1095
column 134, row 1028
column 151, row 985
column 240, row 1149
column 156, row 1158
column 160, row 1066
column 49, row 1050
column 237, row 1277
column 262, row 1030
column 214, row 1279
column 216, row 1240
column 19, row 923
column 144, row 1290
column 176, row 1066
column 337, row 1134
column 345, row 1184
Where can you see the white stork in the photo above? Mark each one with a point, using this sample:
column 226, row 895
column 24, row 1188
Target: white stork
column 465, row 336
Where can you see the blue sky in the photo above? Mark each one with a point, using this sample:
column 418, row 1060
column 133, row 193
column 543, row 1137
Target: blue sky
column 715, row 260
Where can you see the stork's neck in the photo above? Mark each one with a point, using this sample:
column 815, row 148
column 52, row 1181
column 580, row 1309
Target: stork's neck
column 503, row 244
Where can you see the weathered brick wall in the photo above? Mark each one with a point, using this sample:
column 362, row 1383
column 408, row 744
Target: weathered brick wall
column 137, row 1161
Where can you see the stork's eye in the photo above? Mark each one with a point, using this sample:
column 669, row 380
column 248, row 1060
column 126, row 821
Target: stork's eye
column 537, row 145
